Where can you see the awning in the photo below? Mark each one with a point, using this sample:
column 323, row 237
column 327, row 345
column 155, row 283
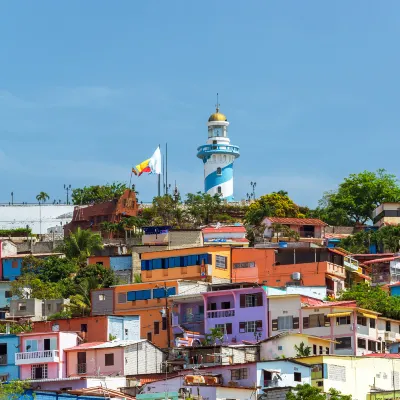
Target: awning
column 368, row 278
column 340, row 314
column 334, row 278
column 369, row 315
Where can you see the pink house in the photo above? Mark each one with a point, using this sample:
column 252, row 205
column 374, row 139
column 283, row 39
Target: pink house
column 41, row 355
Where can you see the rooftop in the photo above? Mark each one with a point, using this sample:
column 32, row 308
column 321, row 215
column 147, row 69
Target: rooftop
column 106, row 345
column 297, row 221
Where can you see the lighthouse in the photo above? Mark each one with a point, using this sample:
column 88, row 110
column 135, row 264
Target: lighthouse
column 218, row 156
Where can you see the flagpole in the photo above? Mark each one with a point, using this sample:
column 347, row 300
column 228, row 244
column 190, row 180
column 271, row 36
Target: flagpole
column 159, row 180
column 166, row 168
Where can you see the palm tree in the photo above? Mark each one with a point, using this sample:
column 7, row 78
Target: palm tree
column 42, row 197
column 81, row 244
column 302, row 350
column 80, row 302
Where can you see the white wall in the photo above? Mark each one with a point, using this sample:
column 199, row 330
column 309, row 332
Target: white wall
column 143, row 358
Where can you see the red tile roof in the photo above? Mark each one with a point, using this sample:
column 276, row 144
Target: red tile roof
column 297, row 221
column 225, row 229
column 85, row 345
column 378, row 260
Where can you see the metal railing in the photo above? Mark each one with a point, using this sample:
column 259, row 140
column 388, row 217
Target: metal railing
column 82, row 368
column 192, row 318
column 221, row 313
column 31, row 355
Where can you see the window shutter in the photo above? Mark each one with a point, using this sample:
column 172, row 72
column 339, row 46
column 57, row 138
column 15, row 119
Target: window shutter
column 306, row 322
column 258, row 325
column 259, row 299
column 242, row 301
column 327, row 321
column 242, row 327
column 228, row 329
column 131, row 296
column 296, row 323
column 274, row 324
column 209, row 259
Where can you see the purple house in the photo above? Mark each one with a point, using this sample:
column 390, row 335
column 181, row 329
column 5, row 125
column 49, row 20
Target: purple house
column 242, row 314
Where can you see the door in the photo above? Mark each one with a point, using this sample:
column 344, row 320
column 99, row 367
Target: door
column 81, row 362
column 46, row 344
column 38, row 372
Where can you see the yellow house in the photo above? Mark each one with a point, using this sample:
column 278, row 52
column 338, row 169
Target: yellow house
column 211, row 264
column 358, row 376
column 283, row 345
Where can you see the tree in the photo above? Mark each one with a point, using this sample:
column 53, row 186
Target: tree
column 42, row 197
column 105, row 277
column 373, row 298
column 202, row 207
column 81, row 244
column 30, row 286
column 358, row 195
column 302, row 350
column 284, row 231
column 215, row 335
column 14, row 390
column 271, row 205
column 81, row 302
column 98, row 193
column 308, row 392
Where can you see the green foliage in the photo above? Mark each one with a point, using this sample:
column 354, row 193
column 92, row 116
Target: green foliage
column 17, row 328
column 63, row 314
column 137, row 277
column 104, row 276
column 98, row 193
column 271, row 205
column 302, row 350
column 81, row 244
column 36, row 288
column 308, row 392
column 357, row 196
column 373, row 298
column 42, row 197
column 215, row 335
column 111, row 337
column 202, row 207
column 284, row 231
column 14, row 390
column 17, row 232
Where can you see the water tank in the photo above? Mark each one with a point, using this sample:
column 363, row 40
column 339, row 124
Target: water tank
column 296, row 276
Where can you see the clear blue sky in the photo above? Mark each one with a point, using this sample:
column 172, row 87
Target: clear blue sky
column 89, row 88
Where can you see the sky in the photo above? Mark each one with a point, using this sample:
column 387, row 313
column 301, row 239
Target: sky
column 88, row 89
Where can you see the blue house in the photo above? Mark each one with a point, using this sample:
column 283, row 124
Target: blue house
column 121, row 263
column 395, row 289
column 9, row 345
column 5, row 294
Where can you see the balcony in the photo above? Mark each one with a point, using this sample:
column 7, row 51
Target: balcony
column 189, row 318
column 82, row 368
column 36, row 357
column 390, row 336
column 221, row 313
column 210, row 149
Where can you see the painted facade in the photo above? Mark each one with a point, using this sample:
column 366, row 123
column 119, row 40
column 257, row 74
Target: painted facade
column 8, row 347
column 218, row 156
column 42, row 355
column 232, row 235
column 5, row 294
column 242, row 314
column 119, row 357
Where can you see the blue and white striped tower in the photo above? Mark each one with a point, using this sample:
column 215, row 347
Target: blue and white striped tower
column 218, row 156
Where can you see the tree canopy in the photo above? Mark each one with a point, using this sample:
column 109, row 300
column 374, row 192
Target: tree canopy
column 98, row 193
column 357, row 197
column 308, row 392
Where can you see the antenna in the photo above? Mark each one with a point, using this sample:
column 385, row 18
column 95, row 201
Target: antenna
column 217, row 105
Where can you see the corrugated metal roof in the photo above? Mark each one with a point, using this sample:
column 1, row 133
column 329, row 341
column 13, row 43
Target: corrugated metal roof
column 106, row 345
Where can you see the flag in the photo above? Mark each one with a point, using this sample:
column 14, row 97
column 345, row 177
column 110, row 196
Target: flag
column 152, row 165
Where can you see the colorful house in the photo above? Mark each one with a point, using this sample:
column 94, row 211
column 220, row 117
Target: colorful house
column 9, row 345
column 41, row 355
column 232, row 235
column 118, row 357
column 241, row 314
column 210, row 263
column 95, row 329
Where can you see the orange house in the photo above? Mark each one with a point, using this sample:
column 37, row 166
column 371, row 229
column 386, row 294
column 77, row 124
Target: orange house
column 211, row 263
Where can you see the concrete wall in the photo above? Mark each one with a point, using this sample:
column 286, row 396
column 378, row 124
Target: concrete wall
column 5, row 288
column 124, row 328
column 102, row 301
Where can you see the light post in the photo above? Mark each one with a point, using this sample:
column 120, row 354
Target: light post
column 253, row 186
column 12, row 198
column 67, row 188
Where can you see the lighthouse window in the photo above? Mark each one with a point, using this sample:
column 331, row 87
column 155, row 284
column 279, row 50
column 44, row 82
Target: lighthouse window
column 219, row 172
column 219, row 190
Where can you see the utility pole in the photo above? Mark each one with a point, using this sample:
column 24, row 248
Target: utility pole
column 12, row 198
column 253, row 186
column 167, row 315
column 67, row 188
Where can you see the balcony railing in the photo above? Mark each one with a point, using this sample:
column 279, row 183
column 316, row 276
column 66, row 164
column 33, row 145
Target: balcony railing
column 192, row 318
column 3, row 359
column 33, row 357
column 82, row 368
column 221, row 313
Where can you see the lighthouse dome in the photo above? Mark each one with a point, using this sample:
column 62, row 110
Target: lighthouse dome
column 217, row 116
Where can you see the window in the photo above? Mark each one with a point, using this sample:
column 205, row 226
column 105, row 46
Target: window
column 21, row 307
column 297, row 377
column 161, row 293
column 156, row 327
column 361, row 320
column 343, row 343
column 7, row 294
column 212, row 306
column 343, row 320
column 251, row 300
column 164, row 323
column 285, row 322
column 109, row 359
column 361, row 343
column 320, row 383
column 3, row 354
column 378, row 346
column 316, row 320
column 122, row 298
column 102, row 297
column 225, row 305
column 237, row 374
column 219, row 171
column 321, row 350
column 225, row 328
column 372, row 323
column 250, row 264
column 149, row 336
column 250, row 326
column 219, row 190
column 280, row 348
column 39, row 371
column 83, row 327
column 326, row 350
column 371, row 345
column 388, row 326
column 31, row 345
column 314, row 349
column 220, row 261
column 14, row 264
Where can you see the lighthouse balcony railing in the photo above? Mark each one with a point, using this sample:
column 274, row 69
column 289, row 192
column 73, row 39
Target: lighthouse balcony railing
column 218, row 147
